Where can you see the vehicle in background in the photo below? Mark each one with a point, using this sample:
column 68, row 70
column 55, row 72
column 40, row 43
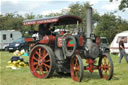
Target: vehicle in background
column 104, row 44
column 8, row 36
column 18, row 44
column 114, row 47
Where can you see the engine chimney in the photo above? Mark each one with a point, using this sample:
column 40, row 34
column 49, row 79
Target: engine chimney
column 91, row 49
column 89, row 21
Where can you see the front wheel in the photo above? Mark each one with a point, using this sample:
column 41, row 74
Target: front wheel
column 105, row 66
column 76, row 68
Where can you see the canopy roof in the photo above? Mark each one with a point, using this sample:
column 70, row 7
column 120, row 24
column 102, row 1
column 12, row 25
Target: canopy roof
column 58, row 20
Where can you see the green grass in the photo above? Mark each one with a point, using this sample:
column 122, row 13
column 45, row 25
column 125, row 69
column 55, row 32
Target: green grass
column 24, row 76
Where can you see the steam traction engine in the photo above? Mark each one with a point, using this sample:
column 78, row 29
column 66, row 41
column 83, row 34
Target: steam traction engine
column 64, row 52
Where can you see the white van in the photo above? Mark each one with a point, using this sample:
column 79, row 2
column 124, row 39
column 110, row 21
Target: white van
column 8, row 36
column 114, row 47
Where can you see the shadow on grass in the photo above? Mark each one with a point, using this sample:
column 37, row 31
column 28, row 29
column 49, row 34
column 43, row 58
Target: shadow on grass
column 91, row 76
column 115, row 77
column 87, row 76
column 61, row 75
column 95, row 76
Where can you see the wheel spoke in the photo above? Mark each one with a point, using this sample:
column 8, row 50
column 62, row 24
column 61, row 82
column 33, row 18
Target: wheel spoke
column 76, row 75
column 47, row 60
column 105, row 76
column 40, row 70
column 76, row 61
column 36, row 67
column 46, row 65
column 45, row 56
column 44, row 52
column 105, row 60
column 35, row 58
column 109, row 65
column 109, row 71
column 46, row 69
column 40, row 53
column 37, row 53
column 77, row 68
column 35, row 63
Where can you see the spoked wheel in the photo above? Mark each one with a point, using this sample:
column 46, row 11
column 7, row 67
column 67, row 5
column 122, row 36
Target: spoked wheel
column 42, row 61
column 77, row 69
column 106, row 67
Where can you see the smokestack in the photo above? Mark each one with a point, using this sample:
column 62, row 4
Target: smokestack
column 91, row 49
column 89, row 21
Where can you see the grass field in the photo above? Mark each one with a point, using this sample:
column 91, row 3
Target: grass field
column 24, row 76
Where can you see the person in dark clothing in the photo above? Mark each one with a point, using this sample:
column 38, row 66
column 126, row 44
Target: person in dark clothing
column 44, row 30
column 122, row 50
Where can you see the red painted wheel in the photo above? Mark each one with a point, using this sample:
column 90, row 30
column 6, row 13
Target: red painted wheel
column 76, row 68
column 106, row 67
column 42, row 61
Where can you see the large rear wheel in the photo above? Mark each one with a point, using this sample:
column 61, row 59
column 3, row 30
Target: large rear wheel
column 77, row 69
column 106, row 67
column 42, row 61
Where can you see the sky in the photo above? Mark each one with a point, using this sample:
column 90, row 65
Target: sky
column 44, row 7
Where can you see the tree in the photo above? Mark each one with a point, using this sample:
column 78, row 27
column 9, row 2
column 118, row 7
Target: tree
column 28, row 30
column 80, row 10
column 109, row 25
column 123, row 4
column 53, row 14
column 11, row 21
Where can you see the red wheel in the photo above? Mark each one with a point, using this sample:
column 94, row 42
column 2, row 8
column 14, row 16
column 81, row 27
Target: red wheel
column 42, row 61
column 76, row 68
column 106, row 67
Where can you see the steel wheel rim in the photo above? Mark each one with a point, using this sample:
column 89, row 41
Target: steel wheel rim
column 40, row 62
column 75, row 69
column 105, row 70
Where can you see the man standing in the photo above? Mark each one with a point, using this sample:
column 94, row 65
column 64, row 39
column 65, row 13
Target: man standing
column 122, row 50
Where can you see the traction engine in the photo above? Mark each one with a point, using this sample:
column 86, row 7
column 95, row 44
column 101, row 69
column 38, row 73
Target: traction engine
column 65, row 53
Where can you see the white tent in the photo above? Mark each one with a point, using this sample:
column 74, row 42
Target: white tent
column 114, row 47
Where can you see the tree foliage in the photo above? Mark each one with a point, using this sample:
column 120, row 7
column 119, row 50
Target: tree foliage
column 80, row 11
column 11, row 21
column 109, row 25
column 123, row 4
